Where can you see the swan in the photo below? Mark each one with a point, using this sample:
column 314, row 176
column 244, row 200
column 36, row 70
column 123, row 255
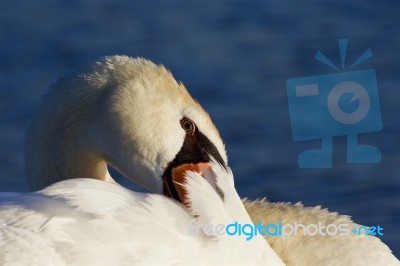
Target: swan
column 134, row 116
column 131, row 114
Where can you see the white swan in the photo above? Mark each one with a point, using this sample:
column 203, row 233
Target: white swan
column 104, row 117
column 133, row 115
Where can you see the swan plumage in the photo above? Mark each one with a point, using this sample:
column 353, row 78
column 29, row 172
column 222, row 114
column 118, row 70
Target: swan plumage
column 132, row 114
column 91, row 222
column 120, row 111
column 298, row 250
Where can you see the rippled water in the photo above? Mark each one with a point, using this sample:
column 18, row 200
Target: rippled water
column 234, row 57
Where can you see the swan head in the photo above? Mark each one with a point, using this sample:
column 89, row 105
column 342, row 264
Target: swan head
column 125, row 112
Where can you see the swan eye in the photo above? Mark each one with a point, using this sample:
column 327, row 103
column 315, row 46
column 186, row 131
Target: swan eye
column 188, row 125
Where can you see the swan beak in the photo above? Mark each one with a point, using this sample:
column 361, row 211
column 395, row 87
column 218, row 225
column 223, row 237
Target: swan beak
column 179, row 178
column 196, row 153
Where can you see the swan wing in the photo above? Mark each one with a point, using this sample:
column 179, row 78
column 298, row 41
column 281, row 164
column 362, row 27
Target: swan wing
column 318, row 250
column 84, row 221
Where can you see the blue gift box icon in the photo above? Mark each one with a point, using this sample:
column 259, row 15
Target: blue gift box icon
column 340, row 104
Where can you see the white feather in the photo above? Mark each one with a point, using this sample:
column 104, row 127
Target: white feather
column 91, row 222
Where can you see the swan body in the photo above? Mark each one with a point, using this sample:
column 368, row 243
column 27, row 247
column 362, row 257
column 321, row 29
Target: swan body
column 91, row 222
column 297, row 250
column 132, row 115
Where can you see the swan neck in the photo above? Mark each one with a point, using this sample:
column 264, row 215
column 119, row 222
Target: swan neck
column 58, row 144
column 54, row 156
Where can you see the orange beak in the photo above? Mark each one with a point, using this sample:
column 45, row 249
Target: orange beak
column 179, row 178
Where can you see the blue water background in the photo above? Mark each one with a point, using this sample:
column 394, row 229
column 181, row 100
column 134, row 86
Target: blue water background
column 234, row 57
